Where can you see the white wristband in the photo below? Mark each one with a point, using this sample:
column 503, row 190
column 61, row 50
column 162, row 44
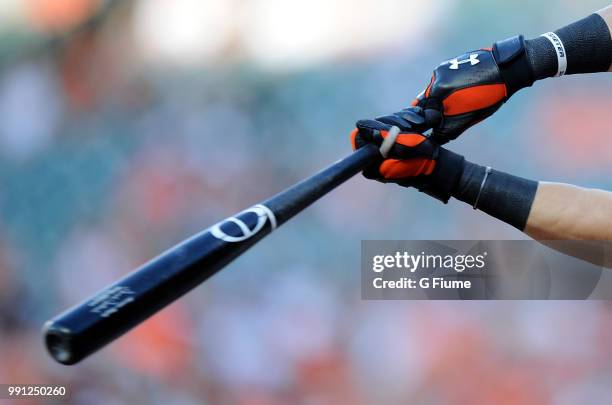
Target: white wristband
column 560, row 49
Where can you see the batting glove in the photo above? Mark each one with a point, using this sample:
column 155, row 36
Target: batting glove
column 469, row 88
column 415, row 160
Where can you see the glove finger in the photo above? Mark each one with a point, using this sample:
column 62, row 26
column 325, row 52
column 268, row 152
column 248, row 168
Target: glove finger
column 409, row 119
column 371, row 125
column 395, row 169
column 370, row 131
column 410, row 145
column 362, row 135
column 416, row 116
column 412, row 114
column 400, row 122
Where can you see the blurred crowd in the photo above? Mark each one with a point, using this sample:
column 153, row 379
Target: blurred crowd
column 121, row 136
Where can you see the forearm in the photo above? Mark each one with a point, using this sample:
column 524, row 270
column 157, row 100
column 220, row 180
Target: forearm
column 562, row 211
column 573, row 220
column 606, row 14
column 544, row 211
column 570, row 219
column 540, row 209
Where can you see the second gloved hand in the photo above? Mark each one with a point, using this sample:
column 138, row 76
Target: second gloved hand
column 469, row 88
column 414, row 160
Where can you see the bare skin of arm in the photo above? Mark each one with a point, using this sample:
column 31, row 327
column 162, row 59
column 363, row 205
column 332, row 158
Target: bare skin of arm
column 562, row 212
column 606, row 14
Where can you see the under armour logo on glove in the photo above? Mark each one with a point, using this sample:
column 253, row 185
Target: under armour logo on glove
column 472, row 60
column 458, row 97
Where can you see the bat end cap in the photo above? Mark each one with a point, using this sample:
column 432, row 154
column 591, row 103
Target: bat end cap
column 58, row 343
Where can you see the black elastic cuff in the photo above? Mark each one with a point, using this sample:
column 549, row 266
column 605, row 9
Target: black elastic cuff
column 587, row 44
column 446, row 175
column 514, row 65
column 503, row 196
column 542, row 58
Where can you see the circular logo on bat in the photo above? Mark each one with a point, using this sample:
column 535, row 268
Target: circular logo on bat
column 262, row 214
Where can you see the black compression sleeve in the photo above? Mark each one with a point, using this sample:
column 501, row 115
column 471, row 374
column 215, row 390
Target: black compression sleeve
column 542, row 57
column 587, row 44
column 503, row 196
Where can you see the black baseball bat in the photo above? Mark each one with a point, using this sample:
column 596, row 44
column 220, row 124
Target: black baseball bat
column 85, row 328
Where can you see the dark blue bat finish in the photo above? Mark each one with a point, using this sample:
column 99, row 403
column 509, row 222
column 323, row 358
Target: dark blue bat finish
column 90, row 325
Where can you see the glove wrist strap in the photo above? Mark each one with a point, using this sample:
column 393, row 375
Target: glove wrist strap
column 513, row 63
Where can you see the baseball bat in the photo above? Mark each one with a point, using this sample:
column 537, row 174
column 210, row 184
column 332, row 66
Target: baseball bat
column 90, row 325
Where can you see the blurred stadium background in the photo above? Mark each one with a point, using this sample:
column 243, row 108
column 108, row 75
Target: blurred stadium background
column 126, row 126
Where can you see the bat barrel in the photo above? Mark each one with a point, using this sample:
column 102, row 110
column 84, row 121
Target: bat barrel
column 90, row 325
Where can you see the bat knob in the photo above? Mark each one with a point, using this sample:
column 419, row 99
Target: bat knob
column 58, row 343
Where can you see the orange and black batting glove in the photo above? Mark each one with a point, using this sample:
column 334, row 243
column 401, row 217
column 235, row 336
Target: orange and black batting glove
column 414, row 160
column 469, row 88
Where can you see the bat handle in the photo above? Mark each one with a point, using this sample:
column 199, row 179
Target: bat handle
column 293, row 200
column 299, row 196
